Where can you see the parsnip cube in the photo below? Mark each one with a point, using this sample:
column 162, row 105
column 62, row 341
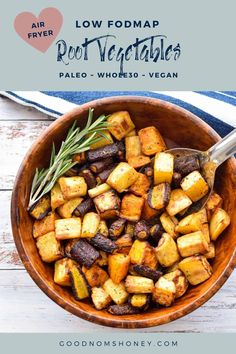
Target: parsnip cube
column 62, row 271
column 66, row 210
column 138, row 285
column 90, row 225
column 102, row 188
column 191, row 244
column 215, row 201
column 118, row 266
column 163, row 167
column 73, row 187
column 138, row 251
column 117, row 292
column 166, row 251
column 132, row 147
column 122, row 177
column 107, row 204
column 151, row 141
column 192, row 223
column 68, row 228
column 120, row 124
column 49, row 247
column 218, row 223
column 178, row 202
column 194, row 186
column 41, row 208
column 131, row 207
column 57, row 198
column 211, row 252
column 180, row 281
column 45, row 225
column 106, row 139
column 103, row 229
column 100, row 298
column 141, row 185
column 164, row 292
column 169, row 224
column 196, row 269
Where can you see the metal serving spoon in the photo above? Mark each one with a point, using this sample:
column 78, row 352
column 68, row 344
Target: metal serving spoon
column 209, row 161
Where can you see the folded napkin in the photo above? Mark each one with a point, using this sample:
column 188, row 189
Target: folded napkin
column 217, row 108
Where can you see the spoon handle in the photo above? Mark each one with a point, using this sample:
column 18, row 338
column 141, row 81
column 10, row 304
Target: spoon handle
column 224, row 149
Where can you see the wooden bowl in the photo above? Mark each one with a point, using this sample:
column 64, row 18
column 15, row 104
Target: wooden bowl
column 180, row 128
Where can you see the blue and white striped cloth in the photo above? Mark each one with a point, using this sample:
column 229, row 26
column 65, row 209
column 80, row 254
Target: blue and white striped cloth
column 217, row 108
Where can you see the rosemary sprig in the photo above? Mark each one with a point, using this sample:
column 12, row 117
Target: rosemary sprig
column 76, row 141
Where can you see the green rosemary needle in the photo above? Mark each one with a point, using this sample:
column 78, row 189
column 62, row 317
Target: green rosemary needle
column 76, row 141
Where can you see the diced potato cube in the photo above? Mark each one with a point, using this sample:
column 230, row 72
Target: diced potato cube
column 139, row 161
column 138, row 285
column 211, row 252
column 106, row 139
column 122, row 177
column 194, row 186
column 96, row 276
column 151, row 141
column 120, row 124
column 169, row 224
column 66, row 210
column 41, row 208
column 118, row 266
column 62, row 271
column 138, row 251
column 107, row 204
column 44, row 226
column 90, row 224
column 73, row 187
column 117, row 292
column 163, row 167
column 132, row 147
column 100, row 298
column 178, row 202
column 49, row 247
column 68, row 228
column 218, row 223
column 191, row 244
column 215, row 201
column 196, row 269
column 57, row 198
column 141, row 185
column 131, row 207
column 180, row 281
column 102, row 188
column 164, row 292
column 192, row 223
column 166, row 251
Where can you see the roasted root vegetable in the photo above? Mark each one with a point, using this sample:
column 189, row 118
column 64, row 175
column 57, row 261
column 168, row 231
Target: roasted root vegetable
column 194, row 186
column 151, row 141
column 66, row 210
column 116, row 228
column 163, row 167
column 101, row 165
column 191, row 244
column 103, row 228
column 117, row 292
column 100, row 298
column 49, row 247
column 159, row 196
column 124, row 243
column 103, row 176
column 68, row 228
column 139, row 161
column 211, row 251
column 132, row 147
column 215, row 201
column 138, row 251
column 147, row 272
column 96, row 276
column 107, row 204
column 120, row 124
column 186, row 164
column 140, row 186
column 140, row 301
column 166, row 251
column 124, row 309
column 57, row 197
column 218, row 223
column 138, row 285
column 147, row 212
column 112, row 150
column 131, row 207
column 84, row 207
column 178, row 202
column 181, row 283
column 41, row 209
column 106, row 139
column 84, row 253
column 142, row 230
column 89, row 178
column 169, row 224
column 73, row 187
column 45, row 225
column 80, row 286
column 156, row 232
column 118, row 266
column 192, row 223
column 164, row 292
column 62, row 271
column 196, row 269
column 102, row 188
column 122, row 177
column 90, row 224
column 103, row 243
